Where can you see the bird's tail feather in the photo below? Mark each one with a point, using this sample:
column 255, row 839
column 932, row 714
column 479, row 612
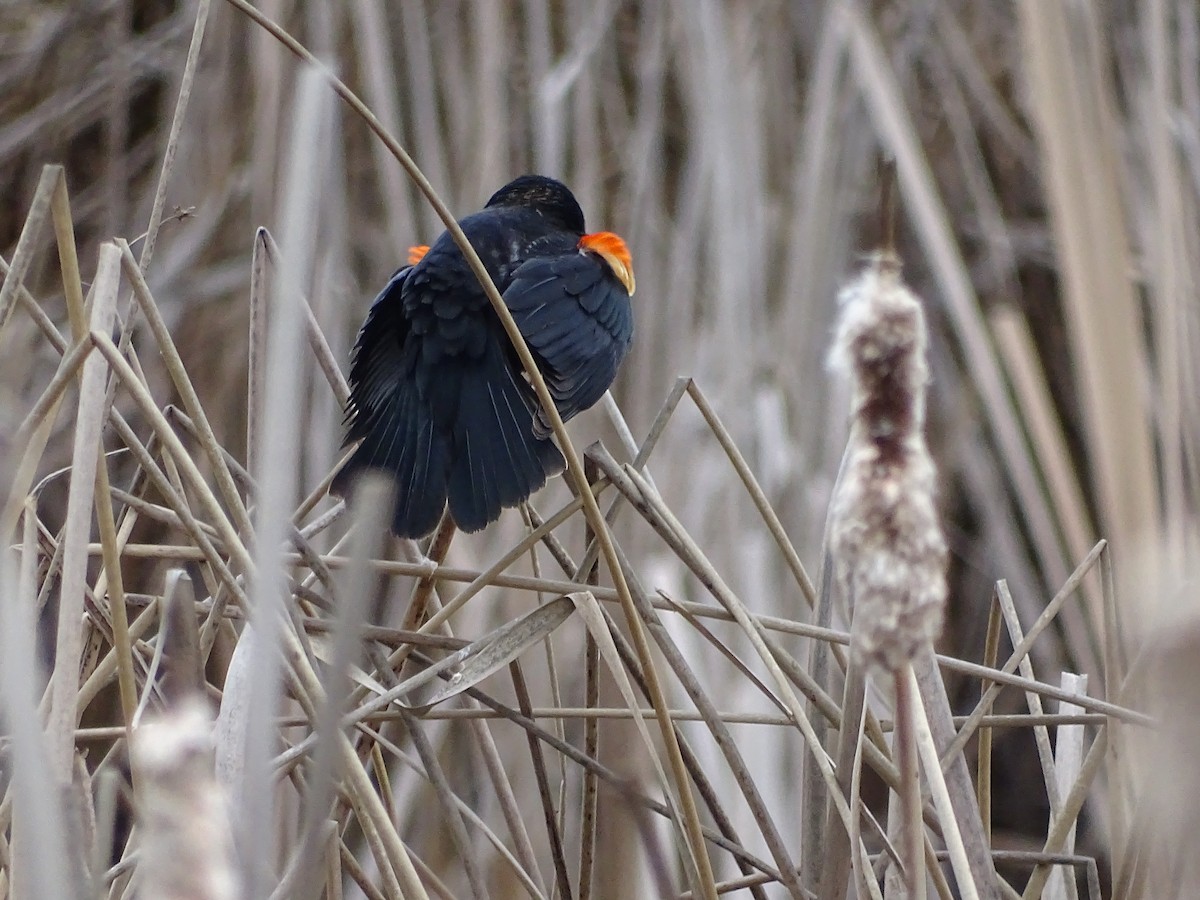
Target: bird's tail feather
column 404, row 443
column 498, row 461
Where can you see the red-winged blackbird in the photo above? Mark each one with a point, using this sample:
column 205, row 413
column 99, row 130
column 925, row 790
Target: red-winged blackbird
column 437, row 394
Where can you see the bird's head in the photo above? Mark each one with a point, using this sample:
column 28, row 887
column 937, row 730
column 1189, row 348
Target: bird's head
column 552, row 199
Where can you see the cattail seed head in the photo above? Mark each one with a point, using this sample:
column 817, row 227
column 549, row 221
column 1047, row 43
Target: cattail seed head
column 887, row 545
column 187, row 843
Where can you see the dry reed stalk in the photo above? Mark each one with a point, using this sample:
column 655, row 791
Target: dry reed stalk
column 187, row 79
column 358, row 585
column 864, row 874
column 1072, row 109
column 22, row 256
column 589, row 808
column 64, row 683
column 960, row 862
column 1116, row 671
column 38, row 860
column 983, row 777
column 1015, row 344
column 110, row 576
column 1068, row 755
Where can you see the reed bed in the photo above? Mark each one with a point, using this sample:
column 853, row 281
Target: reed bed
column 217, row 681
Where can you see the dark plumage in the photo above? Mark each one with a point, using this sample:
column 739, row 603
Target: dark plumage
column 437, row 394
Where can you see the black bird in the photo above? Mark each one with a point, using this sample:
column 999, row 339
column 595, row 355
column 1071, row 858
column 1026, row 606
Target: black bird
column 438, row 396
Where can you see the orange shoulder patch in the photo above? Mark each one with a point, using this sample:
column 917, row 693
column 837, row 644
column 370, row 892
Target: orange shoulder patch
column 416, row 254
column 612, row 249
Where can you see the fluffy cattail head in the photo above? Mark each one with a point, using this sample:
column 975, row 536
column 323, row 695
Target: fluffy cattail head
column 884, row 535
column 187, row 843
column 880, row 345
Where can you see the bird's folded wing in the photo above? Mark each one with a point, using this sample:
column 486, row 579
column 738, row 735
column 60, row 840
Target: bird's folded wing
column 377, row 365
column 576, row 317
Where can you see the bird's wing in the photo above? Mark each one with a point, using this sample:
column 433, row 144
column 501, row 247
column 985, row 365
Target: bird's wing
column 576, row 317
column 377, row 365
column 386, row 413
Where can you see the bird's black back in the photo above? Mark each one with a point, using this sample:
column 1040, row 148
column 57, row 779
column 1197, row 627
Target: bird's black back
column 438, row 396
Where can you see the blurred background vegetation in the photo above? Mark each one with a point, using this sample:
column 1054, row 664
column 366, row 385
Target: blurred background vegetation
column 1048, row 158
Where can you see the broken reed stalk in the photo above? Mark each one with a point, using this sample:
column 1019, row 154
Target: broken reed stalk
column 888, row 552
